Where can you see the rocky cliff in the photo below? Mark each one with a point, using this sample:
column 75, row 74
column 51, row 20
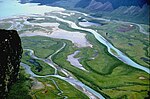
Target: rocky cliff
column 10, row 55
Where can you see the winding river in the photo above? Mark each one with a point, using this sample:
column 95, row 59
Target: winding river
column 92, row 94
column 121, row 56
column 141, row 29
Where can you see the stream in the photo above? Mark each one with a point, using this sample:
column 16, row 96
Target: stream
column 19, row 10
column 92, row 94
column 141, row 29
column 121, row 56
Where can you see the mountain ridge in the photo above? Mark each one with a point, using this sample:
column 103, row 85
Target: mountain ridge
column 115, row 3
column 125, row 10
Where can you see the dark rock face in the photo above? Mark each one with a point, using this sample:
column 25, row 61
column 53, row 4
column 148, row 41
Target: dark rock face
column 10, row 55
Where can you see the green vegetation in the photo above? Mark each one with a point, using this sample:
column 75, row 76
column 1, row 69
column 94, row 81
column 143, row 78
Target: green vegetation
column 107, row 75
column 57, row 89
column 105, row 70
column 37, row 66
column 43, row 46
column 113, row 51
column 146, row 27
column 21, row 88
column 127, row 39
column 131, row 42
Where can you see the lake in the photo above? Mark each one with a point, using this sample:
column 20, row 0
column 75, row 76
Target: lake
column 11, row 8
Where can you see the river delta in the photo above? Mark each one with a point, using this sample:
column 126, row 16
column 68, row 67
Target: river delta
column 65, row 58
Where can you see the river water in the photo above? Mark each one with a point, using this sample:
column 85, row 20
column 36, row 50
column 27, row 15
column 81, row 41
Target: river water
column 121, row 56
column 92, row 94
column 9, row 8
column 16, row 8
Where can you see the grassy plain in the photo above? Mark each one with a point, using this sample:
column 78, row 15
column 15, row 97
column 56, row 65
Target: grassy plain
column 124, row 36
column 57, row 89
column 42, row 46
column 68, row 90
column 133, row 43
column 37, row 66
column 107, row 75
column 54, row 88
column 106, row 72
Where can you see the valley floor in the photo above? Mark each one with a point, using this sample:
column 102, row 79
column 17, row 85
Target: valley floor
column 62, row 61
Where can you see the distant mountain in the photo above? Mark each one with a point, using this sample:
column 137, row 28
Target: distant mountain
column 95, row 6
column 115, row 3
column 127, row 10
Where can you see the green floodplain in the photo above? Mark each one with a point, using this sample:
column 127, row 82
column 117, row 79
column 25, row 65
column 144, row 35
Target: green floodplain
column 106, row 74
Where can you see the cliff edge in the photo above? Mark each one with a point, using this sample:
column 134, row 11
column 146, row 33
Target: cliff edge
column 10, row 56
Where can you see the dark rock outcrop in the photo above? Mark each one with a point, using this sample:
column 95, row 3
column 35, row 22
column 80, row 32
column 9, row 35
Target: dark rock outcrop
column 10, row 55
